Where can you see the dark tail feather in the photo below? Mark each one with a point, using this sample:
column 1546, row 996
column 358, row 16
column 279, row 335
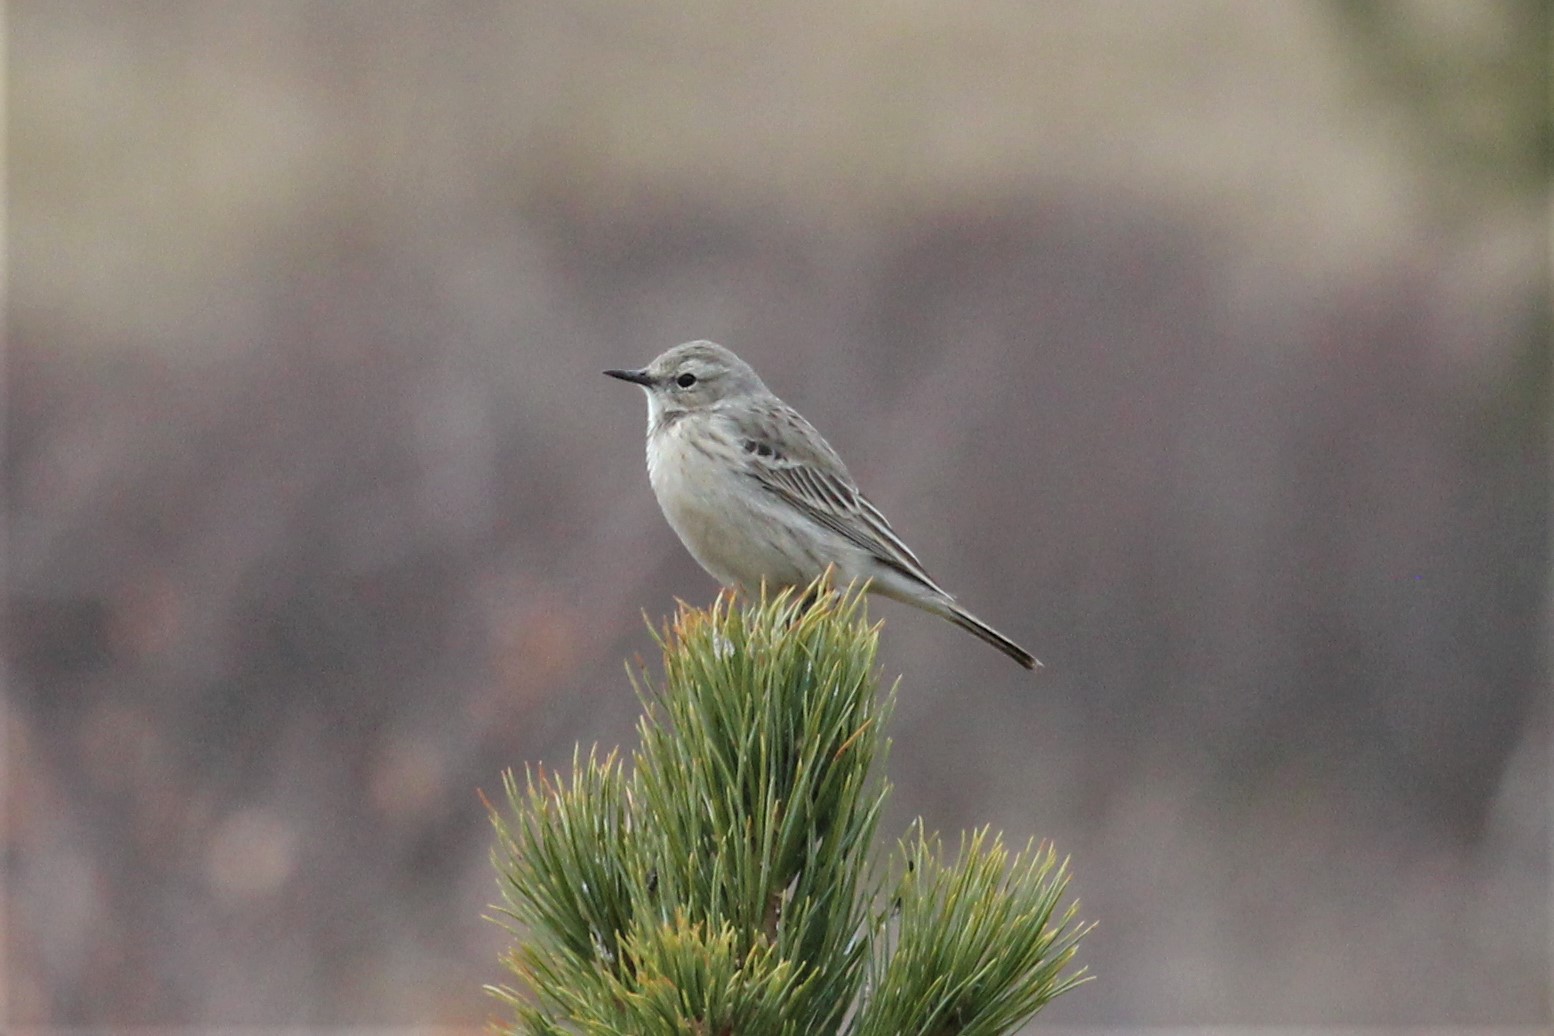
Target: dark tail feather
column 971, row 624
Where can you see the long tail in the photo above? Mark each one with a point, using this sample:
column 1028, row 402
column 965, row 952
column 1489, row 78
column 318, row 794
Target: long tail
column 971, row 624
column 919, row 591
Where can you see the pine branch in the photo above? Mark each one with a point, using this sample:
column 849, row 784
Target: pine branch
column 975, row 950
column 723, row 884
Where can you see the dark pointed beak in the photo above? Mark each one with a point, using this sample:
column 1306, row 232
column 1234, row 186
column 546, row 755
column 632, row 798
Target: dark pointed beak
column 641, row 377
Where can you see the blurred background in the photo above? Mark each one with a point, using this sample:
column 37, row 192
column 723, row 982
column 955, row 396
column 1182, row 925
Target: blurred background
column 1200, row 346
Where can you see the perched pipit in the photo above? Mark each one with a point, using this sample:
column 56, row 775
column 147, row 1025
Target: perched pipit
column 757, row 496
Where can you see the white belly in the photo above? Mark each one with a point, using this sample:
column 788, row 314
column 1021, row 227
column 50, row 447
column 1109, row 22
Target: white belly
column 732, row 527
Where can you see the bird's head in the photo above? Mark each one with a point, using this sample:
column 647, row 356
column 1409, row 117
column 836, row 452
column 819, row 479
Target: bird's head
column 692, row 376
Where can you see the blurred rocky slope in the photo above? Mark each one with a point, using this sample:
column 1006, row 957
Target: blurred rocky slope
column 1199, row 346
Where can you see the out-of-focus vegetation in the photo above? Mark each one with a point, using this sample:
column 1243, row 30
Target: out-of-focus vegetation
column 1202, row 347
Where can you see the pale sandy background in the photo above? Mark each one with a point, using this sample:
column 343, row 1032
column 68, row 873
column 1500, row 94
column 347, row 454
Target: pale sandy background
column 1202, row 346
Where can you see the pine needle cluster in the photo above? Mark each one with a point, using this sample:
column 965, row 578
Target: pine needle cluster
column 723, row 883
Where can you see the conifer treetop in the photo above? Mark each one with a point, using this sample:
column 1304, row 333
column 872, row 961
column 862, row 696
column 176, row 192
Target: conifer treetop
column 723, row 882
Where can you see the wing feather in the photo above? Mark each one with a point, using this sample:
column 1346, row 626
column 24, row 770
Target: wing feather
column 788, row 458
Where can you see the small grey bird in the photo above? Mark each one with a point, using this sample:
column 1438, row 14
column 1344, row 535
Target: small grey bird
column 756, row 495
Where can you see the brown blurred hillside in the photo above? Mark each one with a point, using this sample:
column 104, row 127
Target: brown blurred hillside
column 1202, row 347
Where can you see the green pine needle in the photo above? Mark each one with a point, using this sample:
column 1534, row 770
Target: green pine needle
column 975, row 949
column 722, row 883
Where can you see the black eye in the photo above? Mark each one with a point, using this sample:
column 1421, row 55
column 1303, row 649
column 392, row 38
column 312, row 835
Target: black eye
column 685, row 380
